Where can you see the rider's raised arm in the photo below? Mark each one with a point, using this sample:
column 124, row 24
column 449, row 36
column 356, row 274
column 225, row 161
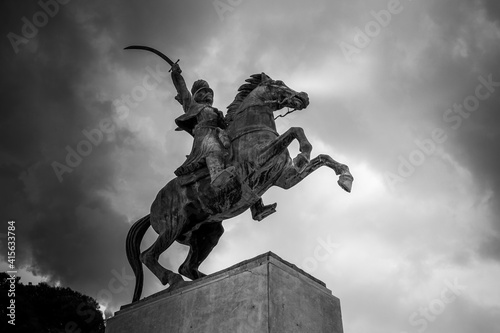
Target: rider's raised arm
column 183, row 94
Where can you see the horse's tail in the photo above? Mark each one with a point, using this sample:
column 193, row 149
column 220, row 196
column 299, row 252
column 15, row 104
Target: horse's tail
column 134, row 238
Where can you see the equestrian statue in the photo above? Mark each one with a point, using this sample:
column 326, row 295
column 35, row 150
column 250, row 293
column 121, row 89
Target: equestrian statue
column 234, row 160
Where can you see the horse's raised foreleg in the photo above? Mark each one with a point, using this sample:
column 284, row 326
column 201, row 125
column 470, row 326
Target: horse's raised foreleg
column 291, row 176
column 201, row 243
column 276, row 147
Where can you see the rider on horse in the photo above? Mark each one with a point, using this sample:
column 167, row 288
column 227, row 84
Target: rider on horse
column 206, row 124
column 211, row 143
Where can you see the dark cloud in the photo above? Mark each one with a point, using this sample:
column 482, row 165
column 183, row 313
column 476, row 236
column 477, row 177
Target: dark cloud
column 67, row 231
column 475, row 143
column 492, row 8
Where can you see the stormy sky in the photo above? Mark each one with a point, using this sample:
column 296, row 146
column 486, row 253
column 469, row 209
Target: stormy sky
column 406, row 93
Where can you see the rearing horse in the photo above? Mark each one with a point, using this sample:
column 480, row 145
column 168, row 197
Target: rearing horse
column 190, row 211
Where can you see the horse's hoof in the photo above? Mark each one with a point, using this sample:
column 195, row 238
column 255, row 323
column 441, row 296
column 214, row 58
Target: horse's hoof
column 345, row 181
column 170, row 278
column 177, row 285
column 192, row 274
column 176, row 281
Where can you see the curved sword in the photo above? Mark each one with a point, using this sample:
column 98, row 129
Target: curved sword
column 155, row 51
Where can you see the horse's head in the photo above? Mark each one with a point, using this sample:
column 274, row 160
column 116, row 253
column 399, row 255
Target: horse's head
column 279, row 95
column 261, row 90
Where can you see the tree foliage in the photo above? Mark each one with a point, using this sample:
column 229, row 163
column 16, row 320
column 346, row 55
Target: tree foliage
column 44, row 308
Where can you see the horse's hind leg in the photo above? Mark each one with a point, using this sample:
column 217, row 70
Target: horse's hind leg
column 152, row 254
column 201, row 243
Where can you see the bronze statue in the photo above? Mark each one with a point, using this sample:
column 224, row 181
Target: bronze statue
column 252, row 158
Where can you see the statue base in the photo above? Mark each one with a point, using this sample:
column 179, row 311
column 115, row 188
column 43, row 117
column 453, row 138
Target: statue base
column 263, row 294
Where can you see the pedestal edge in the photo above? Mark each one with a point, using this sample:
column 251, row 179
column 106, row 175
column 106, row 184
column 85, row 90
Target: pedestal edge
column 232, row 270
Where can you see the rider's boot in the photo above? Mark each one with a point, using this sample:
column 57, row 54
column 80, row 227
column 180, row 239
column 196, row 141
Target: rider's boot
column 261, row 211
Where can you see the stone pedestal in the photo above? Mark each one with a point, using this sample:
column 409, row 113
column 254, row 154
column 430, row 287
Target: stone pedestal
column 262, row 295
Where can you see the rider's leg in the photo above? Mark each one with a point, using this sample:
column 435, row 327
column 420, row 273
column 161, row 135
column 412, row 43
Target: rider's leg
column 218, row 174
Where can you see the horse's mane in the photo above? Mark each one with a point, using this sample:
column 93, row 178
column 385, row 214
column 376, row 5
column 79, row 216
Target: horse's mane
column 252, row 82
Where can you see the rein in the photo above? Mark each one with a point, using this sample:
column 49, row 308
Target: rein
column 284, row 115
